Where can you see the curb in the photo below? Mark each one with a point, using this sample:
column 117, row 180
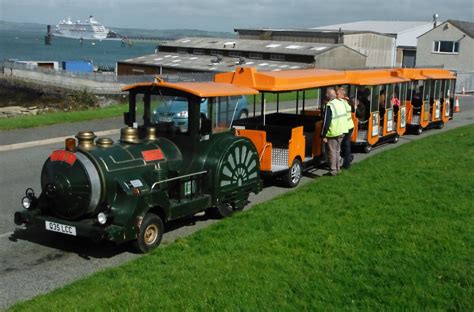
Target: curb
column 17, row 146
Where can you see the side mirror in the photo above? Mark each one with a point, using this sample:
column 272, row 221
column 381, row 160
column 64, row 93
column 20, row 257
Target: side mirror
column 127, row 119
column 206, row 126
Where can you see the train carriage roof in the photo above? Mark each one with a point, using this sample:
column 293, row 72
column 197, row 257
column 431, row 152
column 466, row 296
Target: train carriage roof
column 287, row 80
column 426, row 73
column 201, row 89
column 371, row 77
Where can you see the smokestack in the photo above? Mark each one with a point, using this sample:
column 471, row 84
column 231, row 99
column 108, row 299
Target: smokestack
column 435, row 20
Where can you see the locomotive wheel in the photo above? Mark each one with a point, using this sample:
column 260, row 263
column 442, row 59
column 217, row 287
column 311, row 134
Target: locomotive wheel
column 221, row 211
column 151, row 232
column 367, row 148
column 293, row 176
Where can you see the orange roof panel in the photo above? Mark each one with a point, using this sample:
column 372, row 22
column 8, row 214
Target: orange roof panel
column 201, row 89
column 372, row 77
column 288, row 80
column 426, row 73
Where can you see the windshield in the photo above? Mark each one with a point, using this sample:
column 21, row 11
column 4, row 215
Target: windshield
column 169, row 112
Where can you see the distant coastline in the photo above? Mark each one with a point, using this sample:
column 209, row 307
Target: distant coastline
column 164, row 34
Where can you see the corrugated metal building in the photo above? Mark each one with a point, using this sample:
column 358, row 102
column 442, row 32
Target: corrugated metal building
column 377, row 47
column 224, row 55
column 385, row 43
column 404, row 32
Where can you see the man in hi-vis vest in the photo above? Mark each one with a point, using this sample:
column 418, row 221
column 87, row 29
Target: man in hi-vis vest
column 346, row 141
column 334, row 128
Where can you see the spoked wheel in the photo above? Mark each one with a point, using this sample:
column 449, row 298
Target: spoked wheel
column 151, row 233
column 367, row 148
column 221, row 211
column 293, row 177
column 396, row 138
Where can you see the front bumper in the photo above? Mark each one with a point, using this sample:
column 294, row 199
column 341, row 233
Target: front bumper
column 84, row 228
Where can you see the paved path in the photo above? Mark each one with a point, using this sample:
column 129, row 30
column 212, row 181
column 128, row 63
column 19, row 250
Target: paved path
column 33, row 263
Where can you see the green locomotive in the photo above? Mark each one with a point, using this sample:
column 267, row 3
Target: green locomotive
column 157, row 172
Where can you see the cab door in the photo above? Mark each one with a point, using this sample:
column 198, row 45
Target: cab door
column 374, row 117
column 436, row 104
column 401, row 115
column 446, row 105
column 388, row 126
column 425, row 107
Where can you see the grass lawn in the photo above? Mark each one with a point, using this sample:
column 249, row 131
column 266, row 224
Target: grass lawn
column 62, row 117
column 396, row 232
column 117, row 110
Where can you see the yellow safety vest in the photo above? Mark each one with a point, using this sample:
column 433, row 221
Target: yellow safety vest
column 338, row 124
column 350, row 122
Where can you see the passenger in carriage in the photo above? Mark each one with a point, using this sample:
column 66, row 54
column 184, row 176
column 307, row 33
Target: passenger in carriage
column 382, row 104
column 395, row 103
column 362, row 105
column 417, row 98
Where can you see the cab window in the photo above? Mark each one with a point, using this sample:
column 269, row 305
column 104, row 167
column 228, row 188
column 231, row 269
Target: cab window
column 170, row 113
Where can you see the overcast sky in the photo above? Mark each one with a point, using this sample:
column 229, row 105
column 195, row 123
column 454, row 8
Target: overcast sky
column 225, row 15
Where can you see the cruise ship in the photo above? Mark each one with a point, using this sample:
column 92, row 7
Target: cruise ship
column 89, row 29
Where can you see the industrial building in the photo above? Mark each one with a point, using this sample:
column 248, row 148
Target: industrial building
column 404, row 32
column 385, row 43
column 451, row 46
column 224, row 55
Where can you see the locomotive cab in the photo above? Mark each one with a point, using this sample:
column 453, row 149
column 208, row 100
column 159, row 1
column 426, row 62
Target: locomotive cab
column 173, row 159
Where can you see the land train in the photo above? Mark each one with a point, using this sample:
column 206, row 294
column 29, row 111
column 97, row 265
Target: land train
column 161, row 170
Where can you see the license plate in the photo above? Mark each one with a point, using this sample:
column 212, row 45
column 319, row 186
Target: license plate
column 60, row 228
column 165, row 119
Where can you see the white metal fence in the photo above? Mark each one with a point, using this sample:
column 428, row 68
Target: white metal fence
column 465, row 81
column 7, row 68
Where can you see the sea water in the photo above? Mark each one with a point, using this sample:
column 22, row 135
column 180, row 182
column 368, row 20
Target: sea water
column 28, row 45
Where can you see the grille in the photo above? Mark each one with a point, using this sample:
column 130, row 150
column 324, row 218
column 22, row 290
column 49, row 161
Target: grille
column 362, row 135
column 415, row 119
column 279, row 159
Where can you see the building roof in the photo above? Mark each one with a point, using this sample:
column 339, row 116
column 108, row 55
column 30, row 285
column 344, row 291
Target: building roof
column 262, row 46
column 314, row 30
column 209, row 62
column 384, row 27
column 465, row 27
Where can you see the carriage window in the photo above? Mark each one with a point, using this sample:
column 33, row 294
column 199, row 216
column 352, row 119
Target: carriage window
column 374, row 105
column 225, row 110
column 431, row 83
column 426, row 91
column 437, row 89
column 169, row 113
column 403, row 92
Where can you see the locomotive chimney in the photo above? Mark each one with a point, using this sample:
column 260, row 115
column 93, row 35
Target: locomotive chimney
column 85, row 139
column 129, row 135
column 151, row 133
column 104, row 142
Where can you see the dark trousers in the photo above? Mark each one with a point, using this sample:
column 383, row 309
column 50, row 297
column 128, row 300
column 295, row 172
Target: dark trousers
column 346, row 149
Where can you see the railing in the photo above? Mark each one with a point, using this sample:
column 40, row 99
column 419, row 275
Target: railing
column 7, row 67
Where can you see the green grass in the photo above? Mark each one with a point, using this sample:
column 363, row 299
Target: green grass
column 116, row 111
column 396, row 232
column 271, row 98
column 62, row 117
